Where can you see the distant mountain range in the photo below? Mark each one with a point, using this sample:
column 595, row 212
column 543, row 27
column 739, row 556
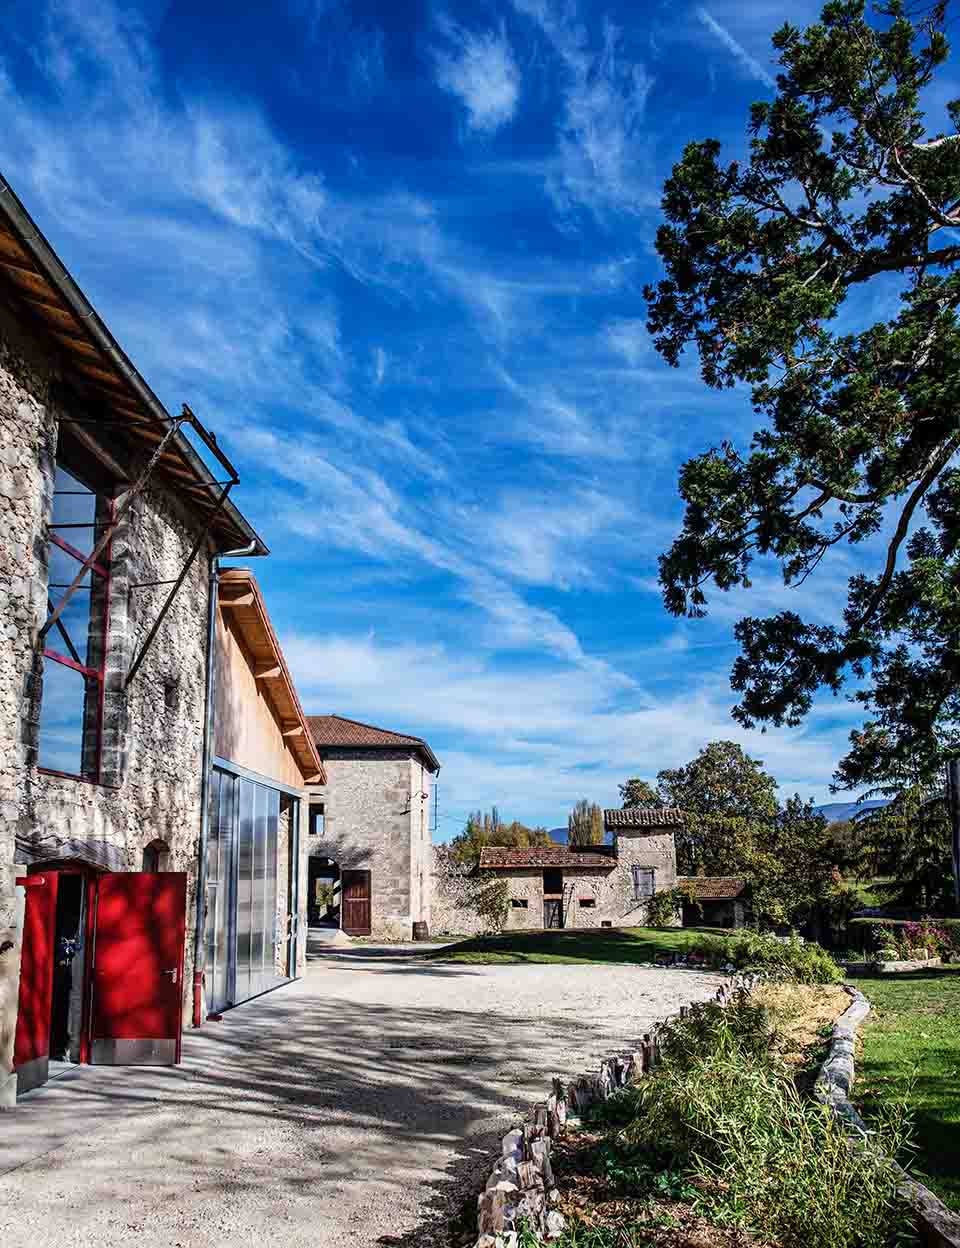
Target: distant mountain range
column 836, row 812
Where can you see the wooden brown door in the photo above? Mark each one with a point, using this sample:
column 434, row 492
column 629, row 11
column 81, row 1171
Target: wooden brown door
column 355, row 901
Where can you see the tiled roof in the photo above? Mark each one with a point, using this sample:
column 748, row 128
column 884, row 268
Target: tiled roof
column 644, row 817
column 544, row 856
column 337, row 730
column 712, row 887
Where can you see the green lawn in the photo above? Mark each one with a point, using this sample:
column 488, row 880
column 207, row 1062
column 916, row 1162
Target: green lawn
column 912, row 1035
column 616, row 944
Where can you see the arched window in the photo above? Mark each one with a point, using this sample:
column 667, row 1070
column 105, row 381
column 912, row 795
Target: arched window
column 156, row 856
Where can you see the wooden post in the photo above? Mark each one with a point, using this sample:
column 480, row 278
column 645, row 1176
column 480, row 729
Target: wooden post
column 953, row 801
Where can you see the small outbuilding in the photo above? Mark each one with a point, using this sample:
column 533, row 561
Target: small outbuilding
column 559, row 886
column 713, row 900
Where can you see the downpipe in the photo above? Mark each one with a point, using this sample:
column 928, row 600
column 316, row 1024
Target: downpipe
column 199, row 939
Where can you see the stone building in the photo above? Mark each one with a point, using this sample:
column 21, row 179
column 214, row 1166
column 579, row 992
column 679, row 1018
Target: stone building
column 558, row 886
column 370, row 850
column 110, row 526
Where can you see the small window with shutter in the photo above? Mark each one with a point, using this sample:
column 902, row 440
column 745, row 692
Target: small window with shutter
column 644, row 882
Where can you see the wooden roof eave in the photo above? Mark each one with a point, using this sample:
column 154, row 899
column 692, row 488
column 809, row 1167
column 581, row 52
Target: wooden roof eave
column 240, row 594
column 39, row 282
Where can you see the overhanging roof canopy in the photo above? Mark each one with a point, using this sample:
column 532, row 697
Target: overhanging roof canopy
column 116, row 396
column 240, row 596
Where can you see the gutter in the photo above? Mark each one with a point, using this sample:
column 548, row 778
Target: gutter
column 200, row 922
column 55, row 271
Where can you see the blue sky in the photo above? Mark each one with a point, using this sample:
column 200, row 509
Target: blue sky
column 393, row 255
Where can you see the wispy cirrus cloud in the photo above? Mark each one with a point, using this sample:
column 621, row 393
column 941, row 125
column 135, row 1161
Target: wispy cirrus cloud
column 427, row 356
column 748, row 64
column 479, row 68
column 600, row 140
column 524, row 732
column 628, row 337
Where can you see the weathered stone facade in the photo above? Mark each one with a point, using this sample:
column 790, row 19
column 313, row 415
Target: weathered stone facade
column 599, row 895
column 149, row 787
column 377, row 819
column 609, row 889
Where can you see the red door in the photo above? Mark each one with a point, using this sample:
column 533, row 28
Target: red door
column 355, row 902
column 31, row 1045
column 138, row 969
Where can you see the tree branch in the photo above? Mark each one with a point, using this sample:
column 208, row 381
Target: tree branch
column 935, row 466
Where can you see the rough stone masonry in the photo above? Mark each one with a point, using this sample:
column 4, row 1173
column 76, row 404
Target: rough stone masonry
column 149, row 785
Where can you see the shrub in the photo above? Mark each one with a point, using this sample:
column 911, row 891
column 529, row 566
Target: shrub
column 914, row 939
column 663, row 907
column 803, row 962
column 724, row 1109
column 741, row 1026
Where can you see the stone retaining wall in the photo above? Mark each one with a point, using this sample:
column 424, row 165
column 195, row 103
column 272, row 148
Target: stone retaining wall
column 521, row 1187
column 891, row 968
column 937, row 1225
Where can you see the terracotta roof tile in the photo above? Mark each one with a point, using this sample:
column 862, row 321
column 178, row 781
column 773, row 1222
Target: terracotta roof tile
column 337, row 730
column 494, row 856
column 644, row 817
column 712, row 887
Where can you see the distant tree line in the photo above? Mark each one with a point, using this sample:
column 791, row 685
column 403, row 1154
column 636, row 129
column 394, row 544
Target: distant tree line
column 487, row 829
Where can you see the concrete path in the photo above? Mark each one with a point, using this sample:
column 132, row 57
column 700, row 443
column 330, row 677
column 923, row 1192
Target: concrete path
column 351, row 1108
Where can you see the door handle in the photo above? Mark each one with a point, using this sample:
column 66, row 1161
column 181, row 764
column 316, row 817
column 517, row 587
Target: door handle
column 172, row 973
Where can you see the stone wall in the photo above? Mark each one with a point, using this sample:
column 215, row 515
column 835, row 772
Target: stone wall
column 27, row 444
column 375, row 820
column 521, row 1192
column 936, row 1225
column 610, row 889
column 152, row 737
column 449, row 916
column 643, row 850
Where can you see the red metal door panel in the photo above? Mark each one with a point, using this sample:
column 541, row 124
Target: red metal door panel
column 31, row 1045
column 355, row 903
column 138, row 969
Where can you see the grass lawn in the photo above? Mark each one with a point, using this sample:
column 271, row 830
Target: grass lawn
column 595, row 944
column 911, row 1047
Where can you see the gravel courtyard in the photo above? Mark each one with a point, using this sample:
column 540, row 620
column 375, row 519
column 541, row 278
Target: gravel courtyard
column 349, row 1108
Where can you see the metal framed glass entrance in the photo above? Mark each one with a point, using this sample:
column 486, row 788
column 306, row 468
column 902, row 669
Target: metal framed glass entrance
column 251, row 912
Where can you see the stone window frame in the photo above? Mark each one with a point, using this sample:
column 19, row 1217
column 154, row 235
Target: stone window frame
column 587, row 903
column 93, row 713
column 519, row 903
column 316, row 820
column 640, row 875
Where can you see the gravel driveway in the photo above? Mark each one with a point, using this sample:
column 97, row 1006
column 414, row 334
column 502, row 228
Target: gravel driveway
column 350, row 1108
